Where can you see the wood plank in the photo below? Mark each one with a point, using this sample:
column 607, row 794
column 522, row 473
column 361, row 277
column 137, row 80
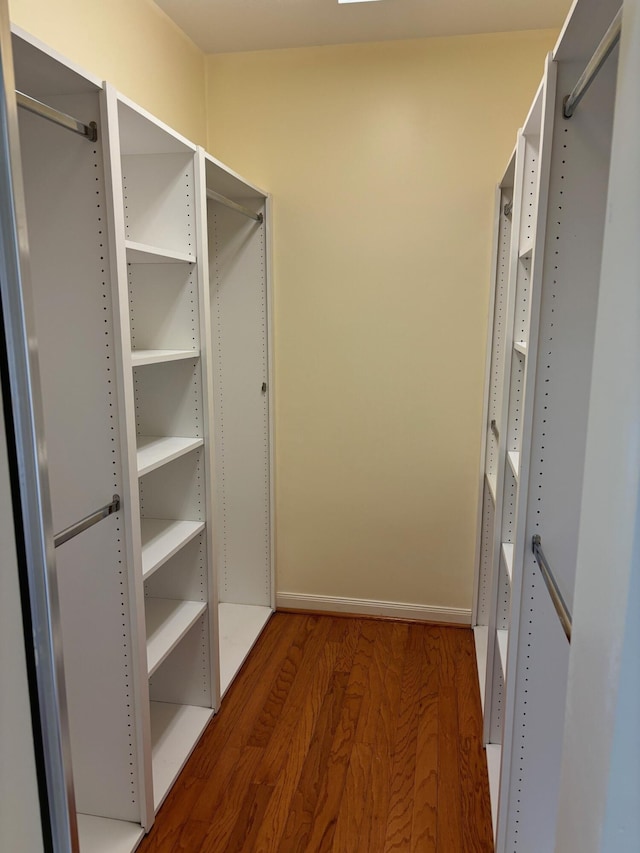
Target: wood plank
column 424, row 829
column 449, row 811
column 403, row 759
column 304, row 802
column 290, row 757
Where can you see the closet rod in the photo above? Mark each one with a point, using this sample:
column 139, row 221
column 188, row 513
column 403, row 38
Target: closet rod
column 234, row 205
column 88, row 521
column 609, row 41
column 89, row 131
column 554, row 591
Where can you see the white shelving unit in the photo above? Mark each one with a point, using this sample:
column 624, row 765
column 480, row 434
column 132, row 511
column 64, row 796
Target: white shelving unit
column 560, row 191
column 166, row 358
column 77, row 328
column 238, row 275
column 492, row 457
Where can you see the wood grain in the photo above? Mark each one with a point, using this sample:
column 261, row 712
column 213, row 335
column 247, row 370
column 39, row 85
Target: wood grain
column 339, row 734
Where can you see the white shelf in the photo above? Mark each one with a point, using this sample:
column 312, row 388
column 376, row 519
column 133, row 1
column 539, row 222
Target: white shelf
column 104, row 835
column 520, row 346
column 168, row 621
column 502, row 637
column 526, row 250
column 140, row 253
column 175, row 730
column 507, row 554
column 494, row 754
column 141, row 357
column 481, row 636
column 492, row 480
column 514, row 461
column 155, row 451
column 162, row 538
column 240, row 625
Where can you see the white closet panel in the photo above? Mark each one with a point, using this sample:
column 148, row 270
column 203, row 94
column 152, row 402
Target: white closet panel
column 237, row 261
column 65, row 192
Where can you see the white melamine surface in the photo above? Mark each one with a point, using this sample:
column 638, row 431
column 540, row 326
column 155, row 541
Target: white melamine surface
column 140, row 253
column 507, row 553
column 162, row 538
column 175, row 730
column 168, row 620
column 481, row 635
column 514, row 461
column 494, row 752
column 237, row 256
column 240, row 626
column 142, row 133
column 154, row 451
column 502, row 636
column 158, row 356
column 66, row 202
column 101, row 835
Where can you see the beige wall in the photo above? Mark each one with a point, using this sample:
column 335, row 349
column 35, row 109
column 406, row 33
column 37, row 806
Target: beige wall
column 382, row 159
column 132, row 44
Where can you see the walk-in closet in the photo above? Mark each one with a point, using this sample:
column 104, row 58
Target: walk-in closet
column 161, row 314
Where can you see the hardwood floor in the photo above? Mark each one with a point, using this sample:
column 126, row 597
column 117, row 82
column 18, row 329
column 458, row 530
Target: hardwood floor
column 339, row 734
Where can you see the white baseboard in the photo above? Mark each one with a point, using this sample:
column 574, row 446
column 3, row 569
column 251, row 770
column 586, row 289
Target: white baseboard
column 368, row 607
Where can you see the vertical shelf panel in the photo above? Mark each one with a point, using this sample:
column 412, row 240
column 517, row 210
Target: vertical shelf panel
column 239, row 311
column 66, row 201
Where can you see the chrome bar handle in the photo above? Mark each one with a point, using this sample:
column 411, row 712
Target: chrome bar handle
column 233, row 205
column 89, row 131
column 554, row 591
column 85, row 523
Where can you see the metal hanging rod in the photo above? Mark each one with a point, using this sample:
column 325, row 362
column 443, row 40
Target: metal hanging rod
column 609, row 41
column 89, row 131
column 234, row 206
column 554, row 591
column 85, row 523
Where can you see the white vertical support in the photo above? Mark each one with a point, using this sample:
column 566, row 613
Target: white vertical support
column 130, row 503
column 600, row 784
column 268, row 226
column 503, row 380
column 538, row 124
column 493, row 281
column 206, row 366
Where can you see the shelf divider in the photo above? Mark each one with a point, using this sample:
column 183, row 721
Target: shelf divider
column 168, row 620
column 502, row 636
column 507, row 555
column 175, row 730
column 155, row 451
column 513, row 457
column 141, row 357
column 162, row 539
column 140, row 253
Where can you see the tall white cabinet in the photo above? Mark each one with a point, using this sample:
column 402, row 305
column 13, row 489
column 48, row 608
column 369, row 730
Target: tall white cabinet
column 559, row 213
column 238, row 247
column 151, row 319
